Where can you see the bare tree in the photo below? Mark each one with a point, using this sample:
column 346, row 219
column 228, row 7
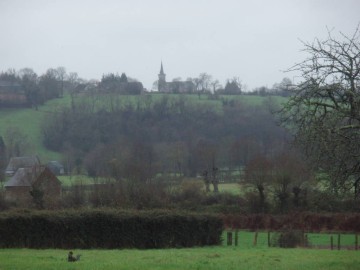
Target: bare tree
column 258, row 173
column 205, row 80
column 202, row 83
column 324, row 110
column 290, row 177
column 215, row 84
column 283, row 87
column 206, row 156
column 61, row 75
column 29, row 81
column 73, row 80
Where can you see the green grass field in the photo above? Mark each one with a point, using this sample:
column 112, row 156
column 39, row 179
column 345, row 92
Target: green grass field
column 224, row 258
column 28, row 121
column 316, row 240
column 67, row 180
column 243, row 256
column 232, row 188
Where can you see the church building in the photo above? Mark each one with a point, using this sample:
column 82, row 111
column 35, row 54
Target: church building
column 175, row 86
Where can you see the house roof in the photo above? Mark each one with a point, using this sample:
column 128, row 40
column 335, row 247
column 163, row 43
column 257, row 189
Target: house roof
column 22, row 178
column 26, row 177
column 22, row 162
column 11, row 87
column 9, row 84
column 55, row 163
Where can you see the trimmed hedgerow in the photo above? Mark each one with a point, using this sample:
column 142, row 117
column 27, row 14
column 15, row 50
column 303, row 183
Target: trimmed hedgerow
column 310, row 222
column 109, row 229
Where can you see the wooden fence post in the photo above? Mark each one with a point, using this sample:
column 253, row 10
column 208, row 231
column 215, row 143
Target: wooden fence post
column 236, row 237
column 229, row 238
column 268, row 238
column 255, row 238
column 331, row 242
column 305, row 240
column 356, row 242
column 339, row 245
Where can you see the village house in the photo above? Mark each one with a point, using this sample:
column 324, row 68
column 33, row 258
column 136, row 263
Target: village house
column 12, row 94
column 56, row 167
column 21, row 162
column 40, row 178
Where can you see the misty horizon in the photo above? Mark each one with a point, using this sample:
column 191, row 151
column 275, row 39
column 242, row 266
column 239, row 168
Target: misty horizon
column 254, row 42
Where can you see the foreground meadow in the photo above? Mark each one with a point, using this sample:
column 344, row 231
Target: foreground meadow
column 187, row 258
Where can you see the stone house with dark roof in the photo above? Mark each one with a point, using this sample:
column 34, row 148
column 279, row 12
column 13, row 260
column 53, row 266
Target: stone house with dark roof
column 56, row 167
column 21, row 162
column 25, row 180
column 12, row 94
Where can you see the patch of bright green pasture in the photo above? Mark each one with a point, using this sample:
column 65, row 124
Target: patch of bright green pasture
column 323, row 239
column 232, row 188
column 68, row 180
column 207, row 258
column 246, row 239
column 28, row 121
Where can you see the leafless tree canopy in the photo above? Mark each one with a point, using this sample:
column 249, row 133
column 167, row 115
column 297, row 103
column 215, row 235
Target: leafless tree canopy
column 324, row 110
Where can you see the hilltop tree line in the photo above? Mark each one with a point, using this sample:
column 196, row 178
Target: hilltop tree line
column 56, row 81
column 38, row 89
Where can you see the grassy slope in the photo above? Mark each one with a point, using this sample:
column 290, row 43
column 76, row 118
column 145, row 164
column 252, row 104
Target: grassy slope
column 29, row 120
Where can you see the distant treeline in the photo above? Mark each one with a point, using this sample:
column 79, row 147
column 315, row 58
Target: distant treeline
column 171, row 135
column 25, row 88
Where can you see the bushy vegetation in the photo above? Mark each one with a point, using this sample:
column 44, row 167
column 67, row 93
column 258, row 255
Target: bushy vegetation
column 303, row 221
column 171, row 135
column 289, row 239
column 108, row 229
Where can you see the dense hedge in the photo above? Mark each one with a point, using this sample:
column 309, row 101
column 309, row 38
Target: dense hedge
column 310, row 222
column 108, row 229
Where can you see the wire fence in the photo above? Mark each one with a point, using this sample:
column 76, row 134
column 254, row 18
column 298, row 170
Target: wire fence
column 263, row 239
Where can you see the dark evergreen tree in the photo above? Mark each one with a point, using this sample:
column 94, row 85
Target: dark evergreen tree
column 123, row 78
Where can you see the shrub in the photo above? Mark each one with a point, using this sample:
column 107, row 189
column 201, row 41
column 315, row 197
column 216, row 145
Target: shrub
column 3, row 203
column 254, row 204
column 75, row 196
column 289, row 239
column 190, row 193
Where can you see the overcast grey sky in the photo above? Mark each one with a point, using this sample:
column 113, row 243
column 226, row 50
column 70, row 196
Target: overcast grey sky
column 252, row 40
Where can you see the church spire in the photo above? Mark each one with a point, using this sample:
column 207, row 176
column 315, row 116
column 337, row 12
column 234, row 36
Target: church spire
column 162, row 75
column 162, row 69
column 162, row 79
